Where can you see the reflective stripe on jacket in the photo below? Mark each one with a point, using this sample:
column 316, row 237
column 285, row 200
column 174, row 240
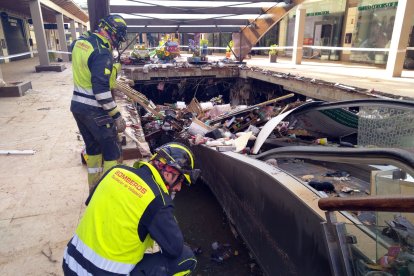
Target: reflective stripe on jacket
column 110, row 235
column 92, row 69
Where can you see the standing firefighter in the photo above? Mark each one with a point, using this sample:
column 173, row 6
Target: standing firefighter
column 93, row 107
column 127, row 211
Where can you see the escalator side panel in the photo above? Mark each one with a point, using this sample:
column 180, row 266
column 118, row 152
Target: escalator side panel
column 282, row 232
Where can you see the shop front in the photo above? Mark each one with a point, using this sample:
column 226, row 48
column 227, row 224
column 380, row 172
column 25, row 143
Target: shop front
column 323, row 27
column 373, row 30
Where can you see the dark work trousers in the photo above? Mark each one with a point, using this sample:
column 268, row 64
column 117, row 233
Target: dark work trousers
column 99, row 134
column 159, row 265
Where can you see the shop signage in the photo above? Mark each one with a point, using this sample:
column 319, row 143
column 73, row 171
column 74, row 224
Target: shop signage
column 378, row 6
column 317, row 13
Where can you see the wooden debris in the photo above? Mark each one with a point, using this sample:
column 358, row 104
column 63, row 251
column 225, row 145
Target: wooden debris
column 17, row 152
column 195, row 107
column 123, row 86
column 231, row 114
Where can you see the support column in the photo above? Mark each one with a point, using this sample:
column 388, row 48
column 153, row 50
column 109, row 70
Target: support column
column 299, row 35
column 283, row 26
column 97, row 9
column 399, row 39
column 37, row 18
column 79, row 30
column 73, row 30
column 62, row 38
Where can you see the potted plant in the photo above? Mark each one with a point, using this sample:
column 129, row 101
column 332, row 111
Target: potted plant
column 228, row 49
column 203, row 47
column 273, row 53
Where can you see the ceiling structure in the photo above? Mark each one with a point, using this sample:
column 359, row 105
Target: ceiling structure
column 68, row 8
column 203, row 16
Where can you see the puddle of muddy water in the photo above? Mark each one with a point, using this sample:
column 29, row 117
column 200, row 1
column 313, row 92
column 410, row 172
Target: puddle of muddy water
column 203, row 222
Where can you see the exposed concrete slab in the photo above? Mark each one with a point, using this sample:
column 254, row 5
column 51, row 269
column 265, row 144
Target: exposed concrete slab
column 367, row 77
column 52, row 67
column 138, row 73
column 16, row 89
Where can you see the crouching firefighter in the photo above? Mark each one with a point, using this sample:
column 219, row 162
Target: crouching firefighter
column 128, row 210
column 93, row 107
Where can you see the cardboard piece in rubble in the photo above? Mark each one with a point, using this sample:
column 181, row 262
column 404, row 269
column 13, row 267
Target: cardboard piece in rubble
column 198, row 127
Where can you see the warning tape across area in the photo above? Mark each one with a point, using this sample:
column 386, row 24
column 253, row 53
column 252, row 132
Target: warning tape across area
column 254, row 48
column 17, row 55
column 31, row 52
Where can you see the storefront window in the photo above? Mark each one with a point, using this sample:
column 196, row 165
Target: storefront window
column 373, row 29
column 322, row 28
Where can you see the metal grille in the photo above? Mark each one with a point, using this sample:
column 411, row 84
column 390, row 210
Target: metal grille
column 386, row 127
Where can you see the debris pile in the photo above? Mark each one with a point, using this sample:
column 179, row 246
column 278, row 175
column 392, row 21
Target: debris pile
column 213, row 123
column 228, row 128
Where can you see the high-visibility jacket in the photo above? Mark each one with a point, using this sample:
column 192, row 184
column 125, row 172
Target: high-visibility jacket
column 92, row 66
column 109, row 237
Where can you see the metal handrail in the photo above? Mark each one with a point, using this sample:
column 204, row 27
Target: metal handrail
column 402, row 204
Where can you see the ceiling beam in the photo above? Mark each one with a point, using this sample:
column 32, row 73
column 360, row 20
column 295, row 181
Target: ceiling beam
column 200, row 29
column 244, row 1
column 183, row 10
column 51, row 5
column 183, row 22
column 250, row 1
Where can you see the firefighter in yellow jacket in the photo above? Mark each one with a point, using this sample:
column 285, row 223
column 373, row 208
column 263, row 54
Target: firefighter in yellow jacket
column 93, row 107
column 127, row 211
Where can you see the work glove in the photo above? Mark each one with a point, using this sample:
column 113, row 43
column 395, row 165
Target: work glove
column 120, row 124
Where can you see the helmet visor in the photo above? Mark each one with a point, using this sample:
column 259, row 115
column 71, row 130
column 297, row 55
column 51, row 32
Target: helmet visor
column 191, row 176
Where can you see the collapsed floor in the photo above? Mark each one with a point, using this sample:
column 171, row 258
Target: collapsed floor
column 42, row 195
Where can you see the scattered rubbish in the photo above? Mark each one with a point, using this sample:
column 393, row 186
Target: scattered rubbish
column 347, row 190
column 197, row 250
column 198, row 127
column 399, row 259
column 308, row 177
column 345, row 87
column 272, row 162
column 255, row 269
column 337, row 174
column 322, row 186
column 321, row 141
column 221, row 252
column 403, row 229
column 346, row 144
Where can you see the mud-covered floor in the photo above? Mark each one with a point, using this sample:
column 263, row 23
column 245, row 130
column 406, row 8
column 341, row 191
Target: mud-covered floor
column 203, row 222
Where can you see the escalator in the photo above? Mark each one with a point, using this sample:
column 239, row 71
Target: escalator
column 277, row 214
